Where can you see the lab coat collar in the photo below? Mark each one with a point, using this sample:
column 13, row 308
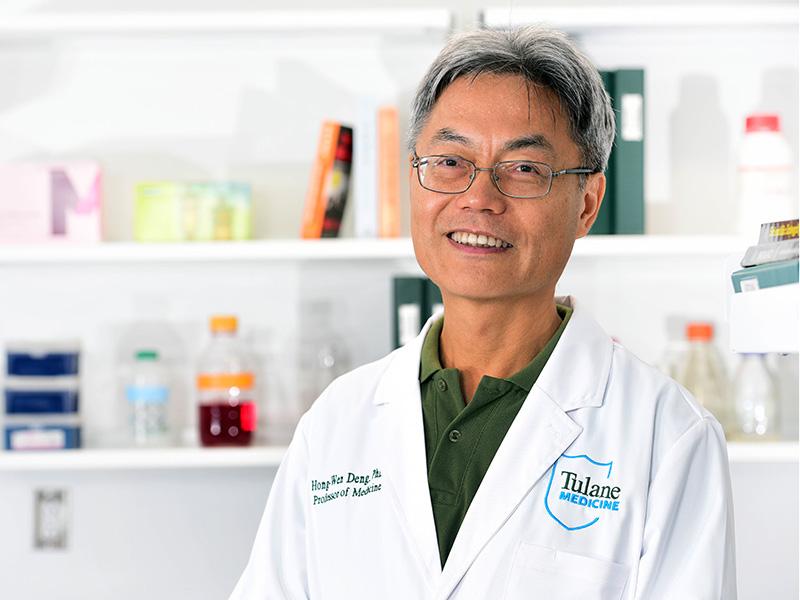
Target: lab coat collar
column 575, row 376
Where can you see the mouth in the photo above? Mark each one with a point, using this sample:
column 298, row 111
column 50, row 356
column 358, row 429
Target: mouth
column 478, row 240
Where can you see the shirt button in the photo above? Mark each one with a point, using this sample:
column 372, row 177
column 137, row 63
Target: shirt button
column 441, row 385
column 455, row 435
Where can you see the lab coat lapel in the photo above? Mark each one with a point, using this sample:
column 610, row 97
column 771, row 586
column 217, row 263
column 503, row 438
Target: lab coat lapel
column 403, row 438
column 575, row 376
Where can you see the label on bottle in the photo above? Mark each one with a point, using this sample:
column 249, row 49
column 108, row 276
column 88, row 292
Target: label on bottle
column 147, row 394
column 247, row 416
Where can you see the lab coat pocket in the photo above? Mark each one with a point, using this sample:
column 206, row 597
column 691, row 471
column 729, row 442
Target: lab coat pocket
column 540, row 572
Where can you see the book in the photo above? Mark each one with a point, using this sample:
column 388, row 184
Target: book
column 169, row 211
column 778, row 241
column 388, row 172
column 338, row 183
column 765, row 276
column 50, row 202
column 316, row 200
column 365, row 170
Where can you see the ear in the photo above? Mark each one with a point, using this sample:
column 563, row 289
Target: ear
column 591, row 200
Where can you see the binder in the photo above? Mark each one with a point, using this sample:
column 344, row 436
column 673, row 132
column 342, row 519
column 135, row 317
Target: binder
column 767, row 275
column 433, row 300
column 604, row 223
column 628, row 163
column 408, row 308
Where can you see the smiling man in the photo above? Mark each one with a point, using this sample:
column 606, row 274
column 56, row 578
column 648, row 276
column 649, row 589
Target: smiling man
column 513, row 450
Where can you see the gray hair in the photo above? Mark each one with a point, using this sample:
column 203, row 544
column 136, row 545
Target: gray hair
column 542, row 56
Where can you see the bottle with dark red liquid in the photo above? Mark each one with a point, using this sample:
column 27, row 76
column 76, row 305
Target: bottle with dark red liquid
column 225, row 388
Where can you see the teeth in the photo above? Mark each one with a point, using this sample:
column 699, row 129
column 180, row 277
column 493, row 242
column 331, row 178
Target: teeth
column 478, row 241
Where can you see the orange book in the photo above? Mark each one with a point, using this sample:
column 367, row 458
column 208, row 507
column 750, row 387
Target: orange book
column 388, row 172
column 314, row 211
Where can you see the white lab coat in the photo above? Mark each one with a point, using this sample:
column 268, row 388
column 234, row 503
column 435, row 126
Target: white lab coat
column 595, row 411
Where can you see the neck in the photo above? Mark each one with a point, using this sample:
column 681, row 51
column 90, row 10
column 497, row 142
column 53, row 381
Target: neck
column 494, row 338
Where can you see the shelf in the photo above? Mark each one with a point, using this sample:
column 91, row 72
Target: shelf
column 134, row 458
column 335, row 21
column 263, row 457
column 763, row 452
column 577, row 18
column 641, row 246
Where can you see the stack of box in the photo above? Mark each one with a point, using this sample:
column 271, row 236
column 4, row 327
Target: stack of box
column 773, row 261
column 42, row 396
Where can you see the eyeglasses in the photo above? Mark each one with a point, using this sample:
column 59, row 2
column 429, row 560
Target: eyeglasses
column 452, row 174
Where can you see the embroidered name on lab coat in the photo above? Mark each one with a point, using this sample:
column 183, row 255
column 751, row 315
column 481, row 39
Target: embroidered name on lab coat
column 347, row 486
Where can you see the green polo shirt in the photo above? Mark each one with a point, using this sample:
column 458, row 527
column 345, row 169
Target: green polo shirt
column 461, row 439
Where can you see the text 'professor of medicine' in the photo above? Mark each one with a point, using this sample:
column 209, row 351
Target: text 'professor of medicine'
column 513, row 449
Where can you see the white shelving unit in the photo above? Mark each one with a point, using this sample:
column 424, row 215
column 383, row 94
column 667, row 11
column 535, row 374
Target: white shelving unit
column 371, row 21
column 95, row 459
column 765, row 320
column 576, row 18
column 343, row 249
column 134, row 458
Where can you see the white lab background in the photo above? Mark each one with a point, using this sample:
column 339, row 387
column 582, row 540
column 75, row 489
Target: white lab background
column 157, row 89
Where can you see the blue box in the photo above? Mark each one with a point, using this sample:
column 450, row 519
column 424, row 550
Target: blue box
column 42, row 359
column 42, row 437
column 41, row 401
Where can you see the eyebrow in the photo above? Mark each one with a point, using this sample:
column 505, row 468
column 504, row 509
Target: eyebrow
column 535, row 141
column 445, row 134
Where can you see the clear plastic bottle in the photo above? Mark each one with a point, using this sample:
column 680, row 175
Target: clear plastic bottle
column 703, row 374
column 756, row 400
column 225, row 388
column 147, row 394
column 323, row 355
column 765, row 176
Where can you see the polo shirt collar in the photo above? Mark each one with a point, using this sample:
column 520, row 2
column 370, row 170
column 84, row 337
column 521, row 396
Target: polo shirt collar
column 524, row 378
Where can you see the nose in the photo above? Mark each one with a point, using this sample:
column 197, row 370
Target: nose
column 483, row 195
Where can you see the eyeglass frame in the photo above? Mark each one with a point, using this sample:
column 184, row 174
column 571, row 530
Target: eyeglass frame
column 416, row 161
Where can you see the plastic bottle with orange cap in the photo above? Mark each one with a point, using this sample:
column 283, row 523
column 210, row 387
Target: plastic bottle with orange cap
column 703, row 374
column 225, row 388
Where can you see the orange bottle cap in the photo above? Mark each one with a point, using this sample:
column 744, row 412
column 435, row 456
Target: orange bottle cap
column 700, row 331
column 216, row 381
column 224, row 323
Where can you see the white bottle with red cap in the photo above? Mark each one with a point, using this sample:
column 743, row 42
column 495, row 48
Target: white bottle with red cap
column 765, row 176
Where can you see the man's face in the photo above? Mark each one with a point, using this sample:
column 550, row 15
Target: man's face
column 489, row 119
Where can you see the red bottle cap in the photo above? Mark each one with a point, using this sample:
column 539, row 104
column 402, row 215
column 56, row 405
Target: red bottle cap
column 756, row 123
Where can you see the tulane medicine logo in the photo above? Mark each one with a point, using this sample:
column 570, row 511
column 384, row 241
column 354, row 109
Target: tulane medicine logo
column 580, row 492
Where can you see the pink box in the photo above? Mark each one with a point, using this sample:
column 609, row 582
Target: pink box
column 50, row 202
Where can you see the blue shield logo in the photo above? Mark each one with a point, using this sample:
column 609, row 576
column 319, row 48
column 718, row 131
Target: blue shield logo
column 580, row 492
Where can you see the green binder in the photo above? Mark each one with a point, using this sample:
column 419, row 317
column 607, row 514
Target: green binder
column 433, row 299
column 628, row 163
column 604, row 223
column 767, row 275
column 408, row 308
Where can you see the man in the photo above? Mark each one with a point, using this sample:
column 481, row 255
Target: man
column 513, row 450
